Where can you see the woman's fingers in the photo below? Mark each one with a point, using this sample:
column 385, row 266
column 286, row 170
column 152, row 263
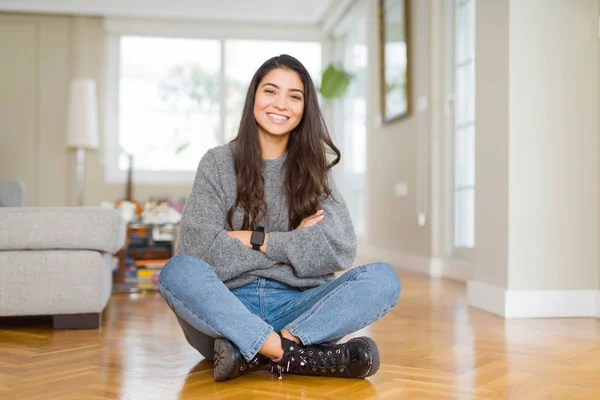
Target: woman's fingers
column 318, row 215
column 313, row 219
column 317, row 219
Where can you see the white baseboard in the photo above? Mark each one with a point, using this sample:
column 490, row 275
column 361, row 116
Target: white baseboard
column 533, row 303
column 434, row 267
column 487, row 297
column 454, row 269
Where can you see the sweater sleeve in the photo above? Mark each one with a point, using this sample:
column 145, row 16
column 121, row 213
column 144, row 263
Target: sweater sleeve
column 202, row 231
column 326, row 247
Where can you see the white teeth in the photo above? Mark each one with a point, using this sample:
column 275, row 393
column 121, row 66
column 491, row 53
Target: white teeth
column 276, row 116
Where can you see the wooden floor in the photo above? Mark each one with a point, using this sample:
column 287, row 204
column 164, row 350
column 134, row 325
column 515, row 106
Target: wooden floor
column 432, row 346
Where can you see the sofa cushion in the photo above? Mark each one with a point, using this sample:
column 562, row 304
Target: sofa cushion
column 68, row 228
column 54, row 282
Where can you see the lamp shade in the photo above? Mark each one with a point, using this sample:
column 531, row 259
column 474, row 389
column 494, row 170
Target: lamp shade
column 82, row 115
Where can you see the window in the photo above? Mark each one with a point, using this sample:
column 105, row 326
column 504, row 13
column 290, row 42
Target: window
column 464, row 126
column 168, row 102
column 171, row 99
column 351, row 119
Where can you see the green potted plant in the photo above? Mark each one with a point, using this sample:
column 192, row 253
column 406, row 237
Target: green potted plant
column 334, row 81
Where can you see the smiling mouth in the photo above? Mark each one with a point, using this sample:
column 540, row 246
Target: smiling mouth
column 278, row 117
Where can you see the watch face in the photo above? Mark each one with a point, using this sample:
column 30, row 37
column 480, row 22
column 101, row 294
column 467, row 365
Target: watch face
column 257, row 238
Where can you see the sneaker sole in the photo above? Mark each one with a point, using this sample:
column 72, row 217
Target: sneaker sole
column 225, row 362
column 375, row 362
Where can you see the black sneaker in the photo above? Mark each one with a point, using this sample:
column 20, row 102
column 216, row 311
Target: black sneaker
column 229, row 362
column 357, row 358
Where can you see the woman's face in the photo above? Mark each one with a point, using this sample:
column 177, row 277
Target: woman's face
column 279, row 102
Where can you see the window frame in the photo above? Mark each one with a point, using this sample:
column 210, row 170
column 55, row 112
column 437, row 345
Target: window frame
column 115, row 28
column 457, row 252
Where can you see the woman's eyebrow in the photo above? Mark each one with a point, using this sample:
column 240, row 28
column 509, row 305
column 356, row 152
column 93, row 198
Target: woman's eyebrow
column 277, row 87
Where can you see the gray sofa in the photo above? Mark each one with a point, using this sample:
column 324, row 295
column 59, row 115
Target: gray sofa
column 57, row 261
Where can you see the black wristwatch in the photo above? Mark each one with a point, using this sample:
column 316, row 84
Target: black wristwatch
column 257, row 238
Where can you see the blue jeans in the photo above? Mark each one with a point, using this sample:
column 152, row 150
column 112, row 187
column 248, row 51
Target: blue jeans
column 207, row 309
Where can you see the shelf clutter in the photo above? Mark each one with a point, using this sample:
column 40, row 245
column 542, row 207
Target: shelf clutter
column 149, row 248
column 151, row 236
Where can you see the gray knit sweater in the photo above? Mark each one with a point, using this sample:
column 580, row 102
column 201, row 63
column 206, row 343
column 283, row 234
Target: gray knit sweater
column 308, row 256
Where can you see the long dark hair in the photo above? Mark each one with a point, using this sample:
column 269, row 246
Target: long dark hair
column 306, row 163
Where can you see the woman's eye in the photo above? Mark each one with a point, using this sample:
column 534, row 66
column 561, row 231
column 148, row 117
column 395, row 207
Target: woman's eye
column 296, row 97
column 270, row 91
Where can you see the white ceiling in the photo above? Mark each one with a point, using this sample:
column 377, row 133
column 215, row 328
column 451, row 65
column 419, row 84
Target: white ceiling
column 277, row 11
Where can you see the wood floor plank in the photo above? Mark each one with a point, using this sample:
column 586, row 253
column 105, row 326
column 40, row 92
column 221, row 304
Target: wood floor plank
column 432, row 346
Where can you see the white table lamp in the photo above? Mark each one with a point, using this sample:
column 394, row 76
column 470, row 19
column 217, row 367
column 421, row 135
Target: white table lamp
column 82, row 125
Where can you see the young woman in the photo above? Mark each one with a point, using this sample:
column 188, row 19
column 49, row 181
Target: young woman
column 263, row 233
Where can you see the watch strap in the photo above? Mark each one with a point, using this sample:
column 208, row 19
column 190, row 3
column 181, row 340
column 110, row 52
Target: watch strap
column 256, row 246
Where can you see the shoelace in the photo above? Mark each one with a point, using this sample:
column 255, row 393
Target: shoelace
column 330, row 358
column 252, row 364
column 335, row 357
column 280, row 369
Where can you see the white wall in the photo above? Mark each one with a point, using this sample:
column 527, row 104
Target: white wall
column 392, row 149
column 537, row 145
column 34, row 76
column 41, row 54
column 414, row 151
column 553, row 196
column 491, row 143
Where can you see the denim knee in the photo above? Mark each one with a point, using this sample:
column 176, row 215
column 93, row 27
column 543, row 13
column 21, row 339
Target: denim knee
column 180, row 269
column 387, row 280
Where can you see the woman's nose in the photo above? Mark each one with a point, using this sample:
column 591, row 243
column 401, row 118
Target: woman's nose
column 280, row 102
column 280, row 106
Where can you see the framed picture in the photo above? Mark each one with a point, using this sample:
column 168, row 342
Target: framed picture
column 394, row 27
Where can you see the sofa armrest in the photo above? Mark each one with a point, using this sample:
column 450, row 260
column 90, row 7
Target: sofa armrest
column 64, row 228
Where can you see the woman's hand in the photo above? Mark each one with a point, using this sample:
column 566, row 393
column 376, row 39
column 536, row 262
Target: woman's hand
column 312, row 220
column 242, row 236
